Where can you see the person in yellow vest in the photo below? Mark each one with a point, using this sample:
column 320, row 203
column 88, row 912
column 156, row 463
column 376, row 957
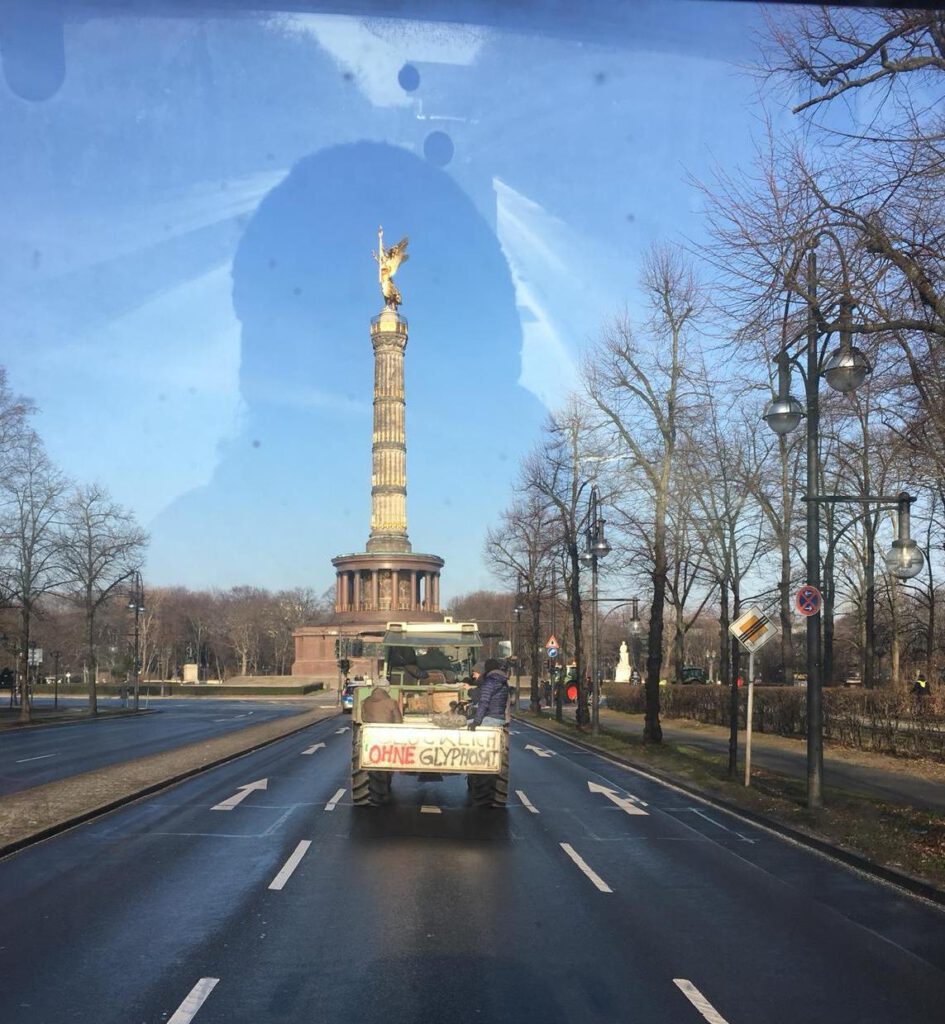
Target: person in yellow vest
column 920, row 689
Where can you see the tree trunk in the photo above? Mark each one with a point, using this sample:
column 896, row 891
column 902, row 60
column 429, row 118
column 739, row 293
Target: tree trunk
column 535, row 700
column 828, row 602
column 652, row 730
column 869, row 646
column 578, row 623
column 733, row 693
column 784, row 587
column 26, row 711
column 90, row 654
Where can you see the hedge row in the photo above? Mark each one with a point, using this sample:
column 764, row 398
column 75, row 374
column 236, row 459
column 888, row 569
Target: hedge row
column 891, row 723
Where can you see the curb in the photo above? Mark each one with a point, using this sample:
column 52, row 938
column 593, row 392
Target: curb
column 911, row 885
column 78, row 720
column 79, row 819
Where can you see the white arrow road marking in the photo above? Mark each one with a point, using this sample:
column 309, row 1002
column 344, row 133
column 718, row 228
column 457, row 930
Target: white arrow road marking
column 241, row 794
column 540, row 751
column 290, row 865
column 526, row 802
column 312, row 749
column 197, row 996
column 626, row 803
column 338, row 732
column 330, row 806
column 582, row 864
column 430, row 809
column 39, row 757
column 697, row 999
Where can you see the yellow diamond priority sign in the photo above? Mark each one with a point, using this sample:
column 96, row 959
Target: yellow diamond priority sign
column 753, row 629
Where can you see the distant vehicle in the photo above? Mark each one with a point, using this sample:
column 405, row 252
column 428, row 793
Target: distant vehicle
column 693, row 674
column 347, row 699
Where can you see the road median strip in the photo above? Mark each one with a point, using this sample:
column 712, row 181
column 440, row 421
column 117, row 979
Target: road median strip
column 30, row 815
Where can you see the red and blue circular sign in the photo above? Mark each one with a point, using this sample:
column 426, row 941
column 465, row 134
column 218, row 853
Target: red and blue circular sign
column 808, row 600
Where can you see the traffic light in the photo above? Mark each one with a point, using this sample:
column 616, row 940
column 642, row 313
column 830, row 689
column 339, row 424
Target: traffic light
column 344, row 665
column 337, row 649
column 357, row 648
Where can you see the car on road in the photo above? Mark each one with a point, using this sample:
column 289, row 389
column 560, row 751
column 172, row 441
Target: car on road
column 347, row 699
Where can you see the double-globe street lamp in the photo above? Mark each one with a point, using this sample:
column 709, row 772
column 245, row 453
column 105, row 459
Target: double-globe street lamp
column 844, row 369
column 136, row 604
column 517, row 640
column 595, row 549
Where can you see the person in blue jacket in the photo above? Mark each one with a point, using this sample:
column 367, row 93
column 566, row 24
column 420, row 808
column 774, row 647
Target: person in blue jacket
column 493, row 696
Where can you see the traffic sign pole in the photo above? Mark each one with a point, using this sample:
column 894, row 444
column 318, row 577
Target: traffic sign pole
column 751, row 693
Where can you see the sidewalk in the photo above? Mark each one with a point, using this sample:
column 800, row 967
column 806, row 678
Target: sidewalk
column 918, row 784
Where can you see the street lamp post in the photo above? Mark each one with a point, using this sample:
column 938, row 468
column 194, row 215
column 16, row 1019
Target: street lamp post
column 55, row 655
column 596, row 548
column 31, row 674
column 136, row 604
column 845, row 369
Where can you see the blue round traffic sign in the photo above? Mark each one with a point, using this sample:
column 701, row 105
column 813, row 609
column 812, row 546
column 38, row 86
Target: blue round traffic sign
column 808, row 600
column 552, row 652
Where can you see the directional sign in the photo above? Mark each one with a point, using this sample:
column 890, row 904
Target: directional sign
column 753, row 629
column 808, row 600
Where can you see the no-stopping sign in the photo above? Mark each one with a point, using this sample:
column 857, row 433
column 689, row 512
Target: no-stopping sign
column 808, row 600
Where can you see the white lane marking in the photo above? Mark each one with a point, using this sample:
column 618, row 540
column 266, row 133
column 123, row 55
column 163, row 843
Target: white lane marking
column 626, row 803
column 290, row 865
column 240, row 795
column 712, row 821
column 312, row 749
column 39, row 757
column 521, row 795
column 338, row 732
column 699, row 1001
column 330, row 806
column 430, row 809
column 540, row 751
column 197, row 996
column 582, row 864
column 515, row 732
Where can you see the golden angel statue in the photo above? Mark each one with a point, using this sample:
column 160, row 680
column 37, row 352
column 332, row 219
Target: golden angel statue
column 388, row 260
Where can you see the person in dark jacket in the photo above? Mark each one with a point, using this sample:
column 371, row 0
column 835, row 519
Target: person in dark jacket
column 493, row 696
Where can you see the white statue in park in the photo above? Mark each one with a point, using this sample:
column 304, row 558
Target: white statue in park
column 622, row 672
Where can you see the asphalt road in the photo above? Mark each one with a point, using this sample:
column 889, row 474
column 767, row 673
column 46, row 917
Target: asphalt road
column 564, row 908
column 31, row 757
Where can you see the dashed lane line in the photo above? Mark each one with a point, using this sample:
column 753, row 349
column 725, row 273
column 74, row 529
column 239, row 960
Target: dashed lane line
column 699, row 1001
column 332, row 803
column 290, row 865
column 197, row 996
column 583, row 865
column 526, row 802
column 39, row 757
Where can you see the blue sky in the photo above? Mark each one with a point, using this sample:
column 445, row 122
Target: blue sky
column 185, row 271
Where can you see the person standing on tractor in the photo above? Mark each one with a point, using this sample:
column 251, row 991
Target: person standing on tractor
column 493, row 696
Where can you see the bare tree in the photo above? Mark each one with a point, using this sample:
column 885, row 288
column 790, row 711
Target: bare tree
column 519, row 551
column 555, row 474
column 640, row 393
column 102, row 546
column 31, row 493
